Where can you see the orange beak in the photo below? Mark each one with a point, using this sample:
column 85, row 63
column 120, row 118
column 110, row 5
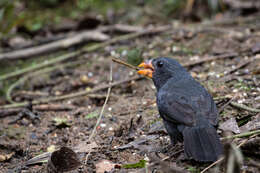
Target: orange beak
column 148, row 69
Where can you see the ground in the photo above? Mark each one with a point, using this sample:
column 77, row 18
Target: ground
column 229, row 70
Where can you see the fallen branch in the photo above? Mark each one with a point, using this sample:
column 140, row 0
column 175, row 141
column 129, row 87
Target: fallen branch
column 241, row 135
column 56, row 45
column 24, row 78
column 239, row 66
column 41, row 65
column 69, row 96
column 85, row 50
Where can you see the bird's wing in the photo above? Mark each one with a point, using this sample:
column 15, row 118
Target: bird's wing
column 176, row 108
column 186, row 109
column 207, row 107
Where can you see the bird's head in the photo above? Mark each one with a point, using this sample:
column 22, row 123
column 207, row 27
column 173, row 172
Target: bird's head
column 161, row 70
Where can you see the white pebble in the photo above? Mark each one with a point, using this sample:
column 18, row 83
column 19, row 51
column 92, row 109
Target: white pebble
column 124, row 53
column 90, row 74
column 113, row 53
column 103, row 125
column 131, row 73
column 235, row 90
column 146, row 158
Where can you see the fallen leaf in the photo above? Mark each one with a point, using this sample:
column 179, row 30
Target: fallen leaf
column 251, row 125
column 230, row 125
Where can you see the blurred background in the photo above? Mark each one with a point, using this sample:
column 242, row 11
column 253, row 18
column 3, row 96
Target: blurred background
column 30, row 17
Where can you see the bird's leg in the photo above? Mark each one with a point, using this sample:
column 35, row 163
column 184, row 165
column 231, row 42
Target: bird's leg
column 173, row 132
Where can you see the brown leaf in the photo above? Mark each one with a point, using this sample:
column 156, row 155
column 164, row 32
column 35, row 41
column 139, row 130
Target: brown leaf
column 251, row 125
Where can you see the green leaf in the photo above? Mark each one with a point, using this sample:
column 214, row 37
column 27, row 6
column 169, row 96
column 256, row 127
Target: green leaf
column 134, row 57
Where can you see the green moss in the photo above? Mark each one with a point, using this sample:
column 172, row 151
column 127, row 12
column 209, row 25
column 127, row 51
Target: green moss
column 140, row 164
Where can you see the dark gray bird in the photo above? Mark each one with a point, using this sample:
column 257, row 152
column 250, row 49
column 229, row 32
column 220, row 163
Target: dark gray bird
column 187, row 109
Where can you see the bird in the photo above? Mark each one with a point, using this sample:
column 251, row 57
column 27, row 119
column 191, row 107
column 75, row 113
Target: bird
column 188, row 111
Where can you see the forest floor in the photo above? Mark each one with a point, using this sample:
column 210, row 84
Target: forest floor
column 223, row 55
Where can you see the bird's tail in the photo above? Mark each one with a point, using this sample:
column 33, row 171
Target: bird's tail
column 202, row 143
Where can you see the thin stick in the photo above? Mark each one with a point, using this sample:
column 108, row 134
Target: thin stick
column 24, row 78
column 229, row 55
column 255, row 132
column 40, row 65
column 102, row 110
column 241, row 106
column 239, row 66
column 213, row 164
column 119, row 61
column 69, row 96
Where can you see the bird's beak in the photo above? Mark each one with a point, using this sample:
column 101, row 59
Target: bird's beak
column 148, row 69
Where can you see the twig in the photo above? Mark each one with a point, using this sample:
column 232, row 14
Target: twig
column 229, row 55
column 11, row 88
column 102, row 110
column 56, row 45
column 239, row 66
column 40, row 65
column 241, row 135
column 24, row 78
column 226, row 104
column 122, row 28
column 117, row 60
column 241, row 106
column 69, row 96
column 85, row 50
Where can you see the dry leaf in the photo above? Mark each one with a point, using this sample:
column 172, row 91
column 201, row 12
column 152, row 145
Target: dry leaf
column 230, row 125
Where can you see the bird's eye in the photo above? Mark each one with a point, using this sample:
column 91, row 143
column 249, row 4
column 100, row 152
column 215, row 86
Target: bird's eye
column 159, row 63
